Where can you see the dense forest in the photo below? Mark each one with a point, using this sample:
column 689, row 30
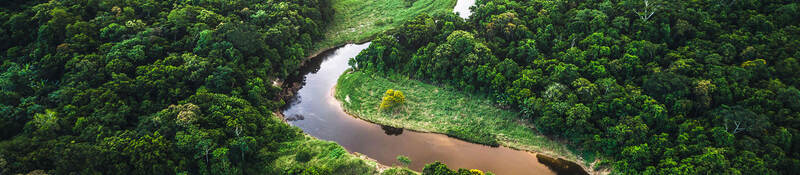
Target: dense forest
column 148, row 86
column 186, row 86
column 652, row 86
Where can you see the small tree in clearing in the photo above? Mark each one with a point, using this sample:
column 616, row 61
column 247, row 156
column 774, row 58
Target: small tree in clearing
column 392, row 98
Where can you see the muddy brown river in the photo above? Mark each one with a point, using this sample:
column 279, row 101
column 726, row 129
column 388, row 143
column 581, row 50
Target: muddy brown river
column 314, row 109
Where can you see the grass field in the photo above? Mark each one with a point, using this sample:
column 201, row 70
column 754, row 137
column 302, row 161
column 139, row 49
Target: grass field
column 430, row 108
column 360, row 20
column 328, row 158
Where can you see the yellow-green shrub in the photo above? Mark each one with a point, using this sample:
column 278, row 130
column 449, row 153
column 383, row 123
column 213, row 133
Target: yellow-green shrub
column 392, row 98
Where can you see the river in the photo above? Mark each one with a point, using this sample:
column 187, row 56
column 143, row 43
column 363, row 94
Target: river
column 462, row 8
column 314, row 109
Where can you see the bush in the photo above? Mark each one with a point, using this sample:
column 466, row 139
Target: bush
column 392, row 98
column 404, row 160
column 439, row 168
column 474, row 134
column 303, row 156
column 398, row 171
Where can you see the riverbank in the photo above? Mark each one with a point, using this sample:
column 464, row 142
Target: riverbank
column 356, row 21
column 435, row 109
column 320, row 149
column 327, row 157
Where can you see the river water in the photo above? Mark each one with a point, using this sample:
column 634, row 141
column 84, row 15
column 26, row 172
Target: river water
column 314, row 109
column 462, row 8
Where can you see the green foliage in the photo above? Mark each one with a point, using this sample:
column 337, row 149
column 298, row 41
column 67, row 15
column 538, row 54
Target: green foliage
column 153, row 87
column 303, row 156
column 471, row 117
column 399, row 171
column 404, row 160
column 324, row 158
column 438, row 168
column 392, row 99
column 360, row 21
column 46, row 121
column 474, row 134
column 656, row 87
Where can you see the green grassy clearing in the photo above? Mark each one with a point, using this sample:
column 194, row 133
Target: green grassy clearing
column 328, row 158
column 360, row 20
column 430, row 108
column 324, row 156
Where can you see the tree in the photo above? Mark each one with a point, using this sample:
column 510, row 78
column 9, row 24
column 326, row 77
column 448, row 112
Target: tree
column 392, row 99
column 113, row 31
column 737, row 119
column 418, row 32
column 183, row 87
column 703, row 90
column 647, row 10
column 524, row 51
column 506, row 26
column 382, row 54
column 577, row 120
column 221, row 79
column 585, row 89
column 46, row 121
column 437, row 168
column 149, row 87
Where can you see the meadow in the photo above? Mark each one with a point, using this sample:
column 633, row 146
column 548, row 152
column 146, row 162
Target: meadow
column 440, row 109
column 326, row 157
column 358, row 21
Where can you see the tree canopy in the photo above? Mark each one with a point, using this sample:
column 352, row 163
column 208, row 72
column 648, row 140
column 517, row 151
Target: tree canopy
column 653, row 86
column 149, row 87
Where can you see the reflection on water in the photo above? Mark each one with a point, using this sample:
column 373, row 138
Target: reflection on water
column 294, row 117
column 561, row 166
column 392, row 131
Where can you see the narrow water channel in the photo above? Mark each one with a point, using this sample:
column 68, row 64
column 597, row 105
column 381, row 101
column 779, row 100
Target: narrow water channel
column 314, row 109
